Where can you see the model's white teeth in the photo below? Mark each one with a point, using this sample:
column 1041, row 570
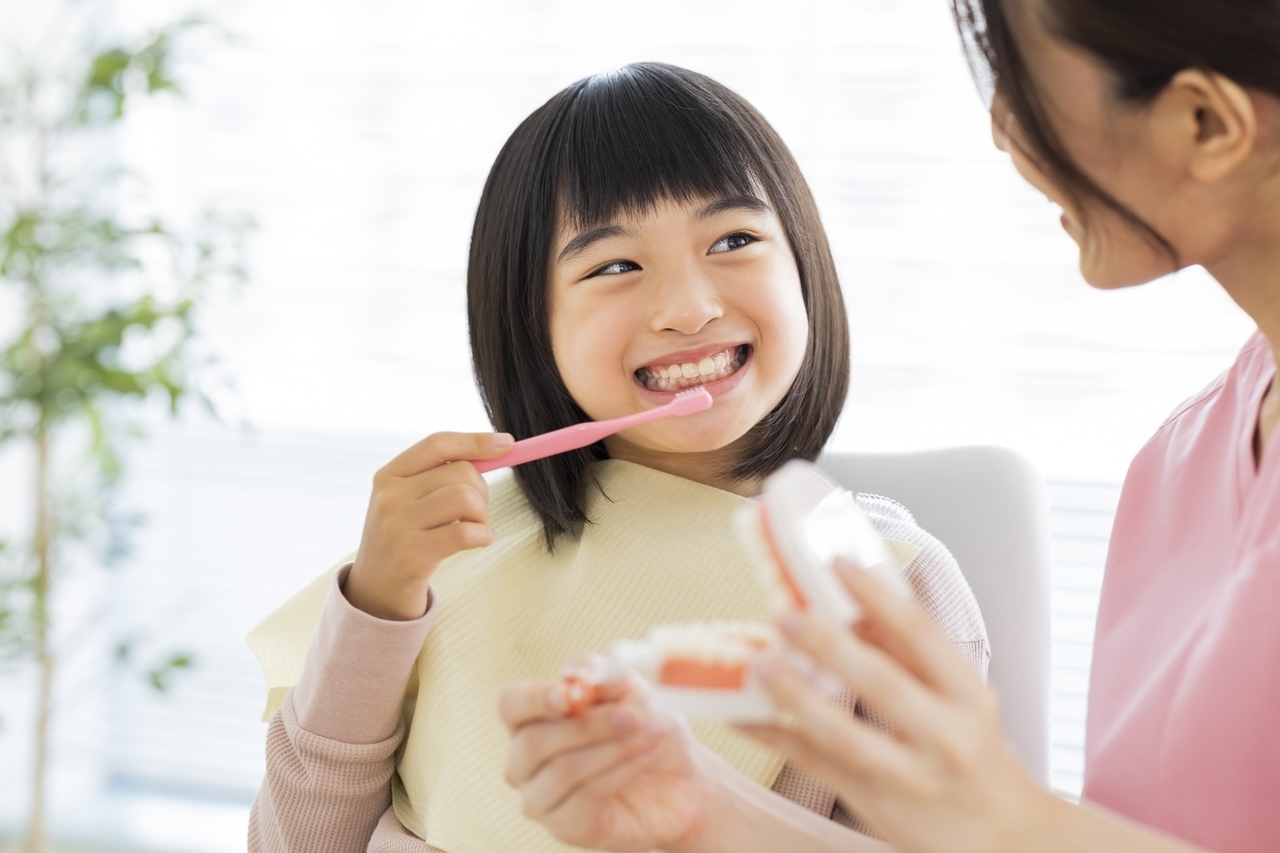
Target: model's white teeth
column 679, row 376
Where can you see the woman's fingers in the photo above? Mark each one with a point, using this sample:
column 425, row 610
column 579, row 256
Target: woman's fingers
column 875, row 677
column 570, row 771
column 536, row 743
column 908, row 635
column 825, row 728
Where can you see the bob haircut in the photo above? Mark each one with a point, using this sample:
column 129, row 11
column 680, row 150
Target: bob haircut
column 616, row 143
column 1141, row 43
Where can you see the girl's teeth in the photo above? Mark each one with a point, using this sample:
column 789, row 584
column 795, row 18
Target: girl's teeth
column 679, row 376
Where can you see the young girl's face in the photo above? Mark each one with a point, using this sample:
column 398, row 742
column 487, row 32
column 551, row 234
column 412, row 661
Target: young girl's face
column 701, row 294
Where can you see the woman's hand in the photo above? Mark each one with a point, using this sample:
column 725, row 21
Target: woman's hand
column 946, row 780
column 428, row 504
column 619, row 776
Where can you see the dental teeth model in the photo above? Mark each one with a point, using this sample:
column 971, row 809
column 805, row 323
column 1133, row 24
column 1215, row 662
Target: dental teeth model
column 796, row 531
column 793, row 536
column 699, row 670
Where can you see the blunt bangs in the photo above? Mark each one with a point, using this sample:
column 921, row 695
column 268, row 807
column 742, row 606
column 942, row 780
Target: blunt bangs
column 646, row 134
column 606, row 147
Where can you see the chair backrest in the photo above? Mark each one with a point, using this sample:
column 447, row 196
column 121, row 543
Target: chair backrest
column 990, row 507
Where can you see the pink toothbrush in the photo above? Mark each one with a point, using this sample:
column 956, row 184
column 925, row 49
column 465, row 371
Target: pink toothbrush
column 580, row 435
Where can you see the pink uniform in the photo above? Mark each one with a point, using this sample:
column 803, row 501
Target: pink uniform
column 1184, row 703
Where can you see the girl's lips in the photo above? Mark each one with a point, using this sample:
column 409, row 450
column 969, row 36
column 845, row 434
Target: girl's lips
column 691, row 356
column 710, row 367
column 717, row 388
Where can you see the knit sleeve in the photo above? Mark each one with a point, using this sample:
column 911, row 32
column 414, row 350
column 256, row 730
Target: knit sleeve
column 331, row 747
column 936, row 579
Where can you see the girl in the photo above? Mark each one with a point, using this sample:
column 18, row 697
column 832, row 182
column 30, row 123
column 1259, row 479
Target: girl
column 642, row 233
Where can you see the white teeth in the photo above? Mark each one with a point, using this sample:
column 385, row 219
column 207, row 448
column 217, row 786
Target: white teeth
column 677, row 377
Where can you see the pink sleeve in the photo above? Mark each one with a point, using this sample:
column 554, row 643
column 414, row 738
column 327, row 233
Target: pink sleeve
column 331, row 747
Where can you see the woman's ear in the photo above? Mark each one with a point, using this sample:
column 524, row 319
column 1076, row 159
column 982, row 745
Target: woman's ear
column 1205, row 125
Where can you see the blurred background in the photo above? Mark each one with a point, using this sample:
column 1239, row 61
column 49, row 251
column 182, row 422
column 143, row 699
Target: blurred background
column 347, row 144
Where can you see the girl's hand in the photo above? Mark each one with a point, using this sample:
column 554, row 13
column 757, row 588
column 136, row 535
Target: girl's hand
column 619, row 776
column 947, row 780
column 428, row 503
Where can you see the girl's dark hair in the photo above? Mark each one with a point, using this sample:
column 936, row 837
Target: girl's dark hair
column 1142, row 43
column 611, row 144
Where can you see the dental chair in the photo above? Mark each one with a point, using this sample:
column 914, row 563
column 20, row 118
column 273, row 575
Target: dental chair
column 990, row 507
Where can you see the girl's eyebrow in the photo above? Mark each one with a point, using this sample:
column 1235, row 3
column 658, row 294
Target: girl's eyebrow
column 579, row 244
column 583, row 241
column 734, row 202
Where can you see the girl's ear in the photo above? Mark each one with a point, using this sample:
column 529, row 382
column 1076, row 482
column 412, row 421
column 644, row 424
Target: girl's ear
column 1205, row 125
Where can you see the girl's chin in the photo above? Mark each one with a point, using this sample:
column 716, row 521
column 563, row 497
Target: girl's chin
column 667, row 438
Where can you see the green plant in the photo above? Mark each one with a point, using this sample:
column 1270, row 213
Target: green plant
column 99, row 299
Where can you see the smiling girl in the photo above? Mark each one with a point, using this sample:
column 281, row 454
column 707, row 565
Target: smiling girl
column 642, row 233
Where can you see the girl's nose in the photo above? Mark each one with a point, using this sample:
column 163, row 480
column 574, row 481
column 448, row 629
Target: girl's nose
column 685, row 303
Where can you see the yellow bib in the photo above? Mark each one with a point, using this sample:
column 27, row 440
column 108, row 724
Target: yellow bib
column 659, row 548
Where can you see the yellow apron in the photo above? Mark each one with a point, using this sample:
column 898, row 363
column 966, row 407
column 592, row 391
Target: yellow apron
column 658, row 548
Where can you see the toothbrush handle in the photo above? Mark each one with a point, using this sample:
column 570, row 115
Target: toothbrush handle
column 549, row 444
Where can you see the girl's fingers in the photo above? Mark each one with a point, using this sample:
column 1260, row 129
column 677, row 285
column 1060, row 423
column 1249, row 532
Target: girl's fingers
column 535, row 744
column 826, row 728
column 429, row 482
column 905, row 631
column 459, row 501
column 449, row 539
column 563, row 776
column 523, row 702
column 435, row 450
column 581, row 806
column 876, row 678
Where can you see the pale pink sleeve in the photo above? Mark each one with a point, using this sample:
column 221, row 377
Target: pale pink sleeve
column 331, row 747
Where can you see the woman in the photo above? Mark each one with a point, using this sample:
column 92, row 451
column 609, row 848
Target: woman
column 1156, row 127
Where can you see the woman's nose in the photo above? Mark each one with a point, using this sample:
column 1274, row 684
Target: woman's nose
column 1001, row 121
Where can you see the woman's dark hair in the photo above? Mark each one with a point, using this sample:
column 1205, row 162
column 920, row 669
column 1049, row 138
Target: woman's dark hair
column 619, row 143
column 1141, row 43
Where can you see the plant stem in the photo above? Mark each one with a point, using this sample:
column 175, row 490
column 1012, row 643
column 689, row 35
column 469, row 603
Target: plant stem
column 35, row 840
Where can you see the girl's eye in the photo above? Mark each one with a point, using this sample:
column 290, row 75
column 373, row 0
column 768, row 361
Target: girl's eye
column 615, row 268
column 730, row 242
